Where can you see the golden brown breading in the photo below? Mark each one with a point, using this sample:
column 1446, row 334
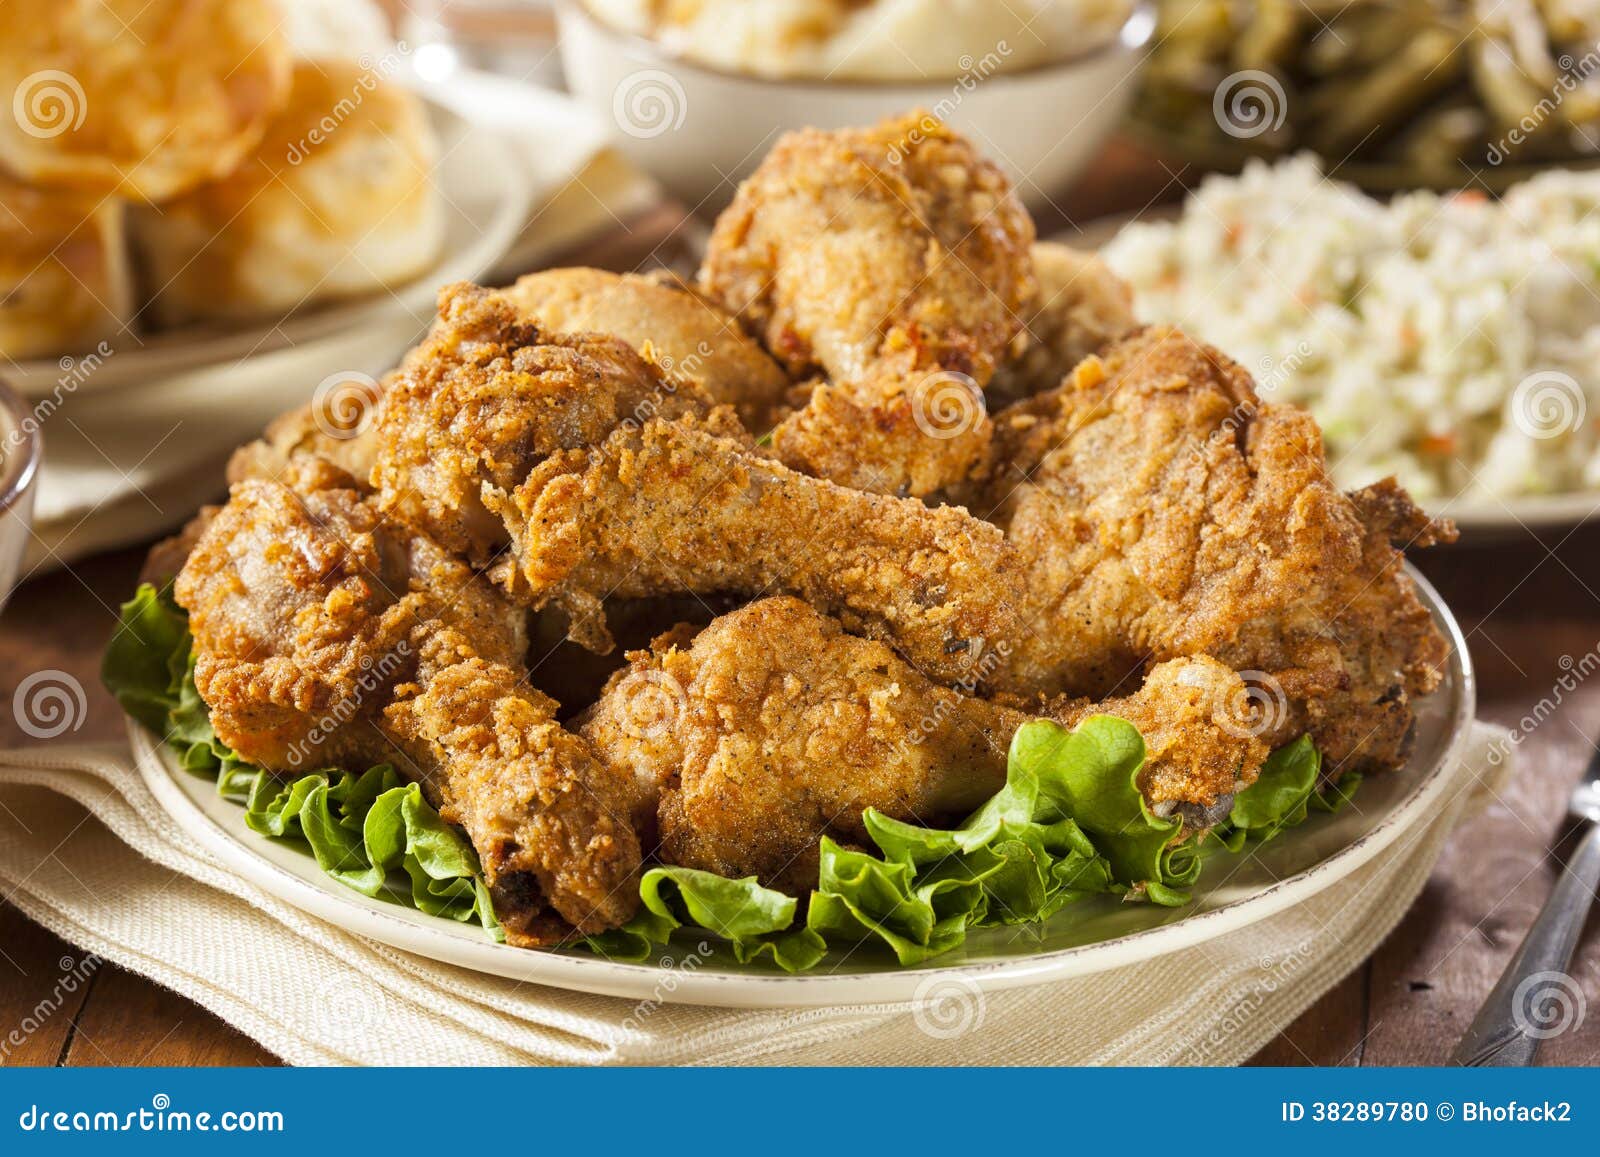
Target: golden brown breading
column 1164, row 510
column 325, row 637
column 302, row 609
column 773, row 728
column 1200, row 736
column 1078, row 309
column 673, row 506
column 688, row 336
column 894, row 260
column 336, row 428
column 486, row 397
column 537, row 805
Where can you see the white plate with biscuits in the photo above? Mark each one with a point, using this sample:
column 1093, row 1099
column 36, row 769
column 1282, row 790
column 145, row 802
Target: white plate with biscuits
column 483, row 198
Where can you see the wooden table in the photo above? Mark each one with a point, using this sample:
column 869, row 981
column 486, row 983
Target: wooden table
column 1525, row 602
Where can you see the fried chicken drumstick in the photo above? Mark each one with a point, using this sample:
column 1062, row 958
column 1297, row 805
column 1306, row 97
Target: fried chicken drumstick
column 325, row 637
column 754, row 751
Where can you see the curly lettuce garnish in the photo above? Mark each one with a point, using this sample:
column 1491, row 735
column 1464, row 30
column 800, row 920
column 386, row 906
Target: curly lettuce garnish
column 1288, row 789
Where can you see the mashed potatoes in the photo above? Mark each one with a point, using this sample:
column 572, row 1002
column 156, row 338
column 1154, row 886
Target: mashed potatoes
column 872, row 40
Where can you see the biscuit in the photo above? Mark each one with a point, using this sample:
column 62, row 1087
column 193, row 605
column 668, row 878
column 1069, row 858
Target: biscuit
column 64, row 279
column 337, row 200
column 144, row 98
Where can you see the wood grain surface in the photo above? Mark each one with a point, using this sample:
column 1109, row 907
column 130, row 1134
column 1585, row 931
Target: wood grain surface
column 1525, row 602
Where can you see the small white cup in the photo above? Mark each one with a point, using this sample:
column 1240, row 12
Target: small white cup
column 21, row 448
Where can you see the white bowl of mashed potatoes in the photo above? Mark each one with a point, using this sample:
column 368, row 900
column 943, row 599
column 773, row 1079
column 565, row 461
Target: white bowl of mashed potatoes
column 697, row 90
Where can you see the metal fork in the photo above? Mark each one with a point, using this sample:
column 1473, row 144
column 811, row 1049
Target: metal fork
column 1502, row 1033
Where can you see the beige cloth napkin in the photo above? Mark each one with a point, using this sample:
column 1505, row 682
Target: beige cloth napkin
column 87, row 851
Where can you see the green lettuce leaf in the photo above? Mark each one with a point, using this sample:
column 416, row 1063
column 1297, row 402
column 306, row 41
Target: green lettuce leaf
column 1285, row 792
column 755, row 920
column 364, row 830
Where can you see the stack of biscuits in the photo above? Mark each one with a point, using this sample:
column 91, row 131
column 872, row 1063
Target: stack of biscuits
column 166, row 163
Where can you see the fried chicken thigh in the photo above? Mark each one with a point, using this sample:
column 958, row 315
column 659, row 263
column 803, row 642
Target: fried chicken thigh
column 894, row 261
column 1162, row 510
column 325, row 636
column 773, row 728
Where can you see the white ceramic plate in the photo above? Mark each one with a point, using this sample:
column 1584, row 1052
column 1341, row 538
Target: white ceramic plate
column 485, row 197
column 1233, row 891
column 1479, row 519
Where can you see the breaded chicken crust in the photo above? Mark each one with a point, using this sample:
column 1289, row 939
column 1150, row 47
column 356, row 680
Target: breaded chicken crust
column 1162, row 509
column 687, row 335
column 894, row 261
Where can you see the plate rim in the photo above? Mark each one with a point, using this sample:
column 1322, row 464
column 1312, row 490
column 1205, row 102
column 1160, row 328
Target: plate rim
column 203, row 351
column 706, row 987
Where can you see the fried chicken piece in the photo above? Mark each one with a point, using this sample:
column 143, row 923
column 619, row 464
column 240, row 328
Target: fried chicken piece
column 674, row 506
column 551, row 825
column 326, row 637
column 893, row 260
column 486, row 397
column 687, row 335
column 773, row 728
column 1163, row 510
column 494, row 434
column 1078, row 309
